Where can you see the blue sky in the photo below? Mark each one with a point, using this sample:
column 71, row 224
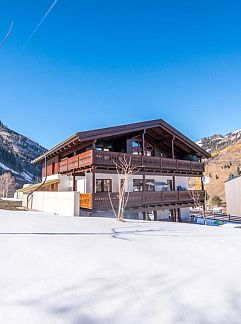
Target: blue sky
column 101, row 63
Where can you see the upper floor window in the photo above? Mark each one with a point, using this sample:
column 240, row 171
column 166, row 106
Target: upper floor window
column 137, row 147
column 106, row 147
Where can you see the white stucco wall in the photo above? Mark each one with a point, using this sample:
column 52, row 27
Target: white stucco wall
column 84, row 184
column 81, row 184
column 233, row 196
column 61, row 203
column 180, row 181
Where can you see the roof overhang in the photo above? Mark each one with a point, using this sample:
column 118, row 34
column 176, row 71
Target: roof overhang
column 92, row 135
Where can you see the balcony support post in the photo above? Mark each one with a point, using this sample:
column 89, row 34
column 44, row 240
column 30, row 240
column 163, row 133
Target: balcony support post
column 179, row 216
column 173, row 183
column 144, row 215
column 74, row 183
column 93, row 181
column 173, row 150
column 94, row 144
column 143, row 142
column 155, row 215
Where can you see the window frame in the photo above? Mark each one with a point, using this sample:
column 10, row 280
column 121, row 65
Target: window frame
column 102, row 185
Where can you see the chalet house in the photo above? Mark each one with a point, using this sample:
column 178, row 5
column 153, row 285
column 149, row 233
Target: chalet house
column 164, row 159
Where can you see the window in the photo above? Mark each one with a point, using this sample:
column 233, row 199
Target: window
column 103, row 185
column 137, row 185
column 136, row 146
column 150, row 185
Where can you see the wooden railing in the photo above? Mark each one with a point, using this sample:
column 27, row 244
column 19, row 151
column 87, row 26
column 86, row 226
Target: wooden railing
column 109, row 159
column 138, row 199
column 76, row 162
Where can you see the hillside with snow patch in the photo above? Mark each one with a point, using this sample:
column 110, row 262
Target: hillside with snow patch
column 16, row 153
column 219, row 142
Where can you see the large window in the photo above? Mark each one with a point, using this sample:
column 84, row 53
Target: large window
column 103, row 185
column 138, row 185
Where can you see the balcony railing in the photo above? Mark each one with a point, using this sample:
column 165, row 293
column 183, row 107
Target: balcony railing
column 110, row 159
column 101, row 200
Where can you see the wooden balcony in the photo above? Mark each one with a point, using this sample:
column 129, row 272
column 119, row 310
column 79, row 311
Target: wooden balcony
column 101, row 201
column 76, row 162
column 109, row 159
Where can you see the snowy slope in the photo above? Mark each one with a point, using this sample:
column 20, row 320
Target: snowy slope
column 58, row 269
column 218, row 142
column 16, row 152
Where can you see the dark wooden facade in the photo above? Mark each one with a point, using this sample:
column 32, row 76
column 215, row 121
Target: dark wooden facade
column 154, row 147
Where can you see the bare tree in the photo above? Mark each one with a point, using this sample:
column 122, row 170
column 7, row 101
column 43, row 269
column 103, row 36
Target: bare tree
column 124, row 169
column 7, row 185
column 7, row 35
column 196, row 196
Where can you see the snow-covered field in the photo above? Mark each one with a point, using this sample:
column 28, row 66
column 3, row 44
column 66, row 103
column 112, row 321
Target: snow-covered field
column 57, row 269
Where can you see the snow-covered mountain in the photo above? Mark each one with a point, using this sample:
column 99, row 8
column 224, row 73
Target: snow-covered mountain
column 16, row 153
column 218, row 142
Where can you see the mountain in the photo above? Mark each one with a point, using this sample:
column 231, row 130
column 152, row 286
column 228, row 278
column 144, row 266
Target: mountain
column 16, row 153
column 224, row 163
column 218, row 142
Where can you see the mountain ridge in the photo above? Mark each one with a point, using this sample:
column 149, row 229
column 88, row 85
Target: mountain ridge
column 217, row 142
column 16, row 153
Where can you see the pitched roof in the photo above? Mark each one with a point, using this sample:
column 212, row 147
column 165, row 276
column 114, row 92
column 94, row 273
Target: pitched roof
column 91, row 135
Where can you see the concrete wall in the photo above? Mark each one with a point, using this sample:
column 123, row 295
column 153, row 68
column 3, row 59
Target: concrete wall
column 62, row 203
column 233, row 196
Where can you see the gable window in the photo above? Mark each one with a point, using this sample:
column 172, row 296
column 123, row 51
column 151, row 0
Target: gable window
column 103, row 185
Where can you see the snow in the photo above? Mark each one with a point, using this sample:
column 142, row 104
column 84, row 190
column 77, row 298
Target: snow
column 4, row 167
column 27, row 176
column 62, row 269
column 237, row 131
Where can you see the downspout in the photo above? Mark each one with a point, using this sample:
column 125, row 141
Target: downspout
column 41, row 185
